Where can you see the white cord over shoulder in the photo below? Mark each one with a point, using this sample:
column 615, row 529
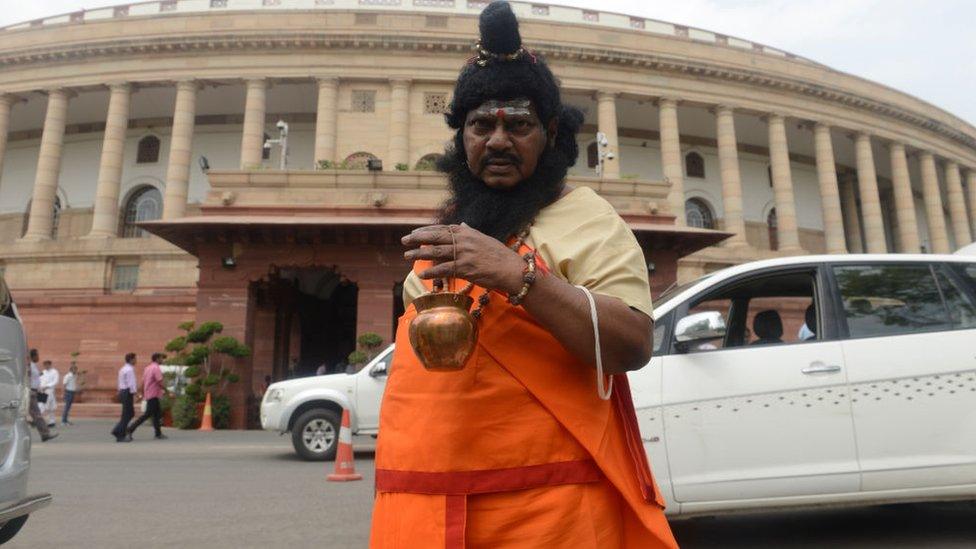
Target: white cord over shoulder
column 603, row 392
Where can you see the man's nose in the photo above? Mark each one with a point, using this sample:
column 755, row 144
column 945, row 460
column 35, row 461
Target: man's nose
column 499, row 139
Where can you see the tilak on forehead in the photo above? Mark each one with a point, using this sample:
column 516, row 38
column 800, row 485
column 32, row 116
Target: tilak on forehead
column 520, row 106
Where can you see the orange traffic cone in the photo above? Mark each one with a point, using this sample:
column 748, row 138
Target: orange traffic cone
column 345, row 466
column 206, row 423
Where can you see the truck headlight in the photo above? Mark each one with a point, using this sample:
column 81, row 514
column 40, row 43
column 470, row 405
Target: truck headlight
column 274, row 395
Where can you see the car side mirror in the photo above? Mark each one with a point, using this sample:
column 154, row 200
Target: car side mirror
column 699, row 327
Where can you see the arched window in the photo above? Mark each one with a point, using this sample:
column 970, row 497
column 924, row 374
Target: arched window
column 148, row 152
column 357, row 161
column 265, row 151
column 592, row 155
column 55, row 218
column 699, row 214
column 145, row 204
column 428, row 162
column 771, row 223
column 694, row 165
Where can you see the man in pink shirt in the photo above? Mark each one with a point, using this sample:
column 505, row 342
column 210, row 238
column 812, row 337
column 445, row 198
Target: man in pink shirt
column 152, row 389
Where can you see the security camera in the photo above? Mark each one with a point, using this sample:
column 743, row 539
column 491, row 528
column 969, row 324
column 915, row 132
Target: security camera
column 601, row 139
column 282, row 125
column 610, row 156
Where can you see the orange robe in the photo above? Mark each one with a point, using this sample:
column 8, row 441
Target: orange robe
column 515, row 450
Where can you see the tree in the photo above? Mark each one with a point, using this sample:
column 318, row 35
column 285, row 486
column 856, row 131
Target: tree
column 370, row 343
column 211, row 364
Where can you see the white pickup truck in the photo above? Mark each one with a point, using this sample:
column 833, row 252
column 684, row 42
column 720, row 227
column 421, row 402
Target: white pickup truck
column 310, row 408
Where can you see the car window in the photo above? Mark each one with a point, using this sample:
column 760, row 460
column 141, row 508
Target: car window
column 661, row 328
column 765, row 309
column 382, row 365
column 962, row 312
column 967, row 272
column 781, row 319
column 890, row 299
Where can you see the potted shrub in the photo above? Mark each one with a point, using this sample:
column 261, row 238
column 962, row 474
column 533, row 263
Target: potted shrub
column 210, row 360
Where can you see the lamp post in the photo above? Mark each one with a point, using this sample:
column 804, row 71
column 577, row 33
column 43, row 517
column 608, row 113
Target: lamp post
column 603, row 154
column 282, row 141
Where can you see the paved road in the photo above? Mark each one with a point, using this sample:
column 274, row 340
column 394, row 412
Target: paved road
column 220, row 489
column 247, row 489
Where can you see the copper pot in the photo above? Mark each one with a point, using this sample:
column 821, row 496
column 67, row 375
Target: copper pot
column 443, row 334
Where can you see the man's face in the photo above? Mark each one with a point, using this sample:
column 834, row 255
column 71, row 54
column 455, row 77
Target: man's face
column 503, row 141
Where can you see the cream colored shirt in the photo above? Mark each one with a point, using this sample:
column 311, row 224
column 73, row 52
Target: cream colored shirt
column 584, row 242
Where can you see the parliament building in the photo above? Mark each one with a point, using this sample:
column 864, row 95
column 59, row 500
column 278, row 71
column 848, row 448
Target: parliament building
column 143, row 181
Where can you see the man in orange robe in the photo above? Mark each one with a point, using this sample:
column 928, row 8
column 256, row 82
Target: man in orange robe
column 519, row 448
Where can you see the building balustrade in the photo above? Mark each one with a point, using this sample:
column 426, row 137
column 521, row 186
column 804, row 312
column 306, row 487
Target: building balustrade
column 852, row 210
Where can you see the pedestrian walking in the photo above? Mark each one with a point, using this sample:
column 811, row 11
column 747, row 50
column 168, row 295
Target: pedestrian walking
column 70, row 384
column 49, row 383
column 35, row 397
column 127, row 390
column 152, row 389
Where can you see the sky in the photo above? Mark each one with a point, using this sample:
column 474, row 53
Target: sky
column 926, row 48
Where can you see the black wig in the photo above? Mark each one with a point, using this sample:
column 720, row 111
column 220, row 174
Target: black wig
column 504, row 70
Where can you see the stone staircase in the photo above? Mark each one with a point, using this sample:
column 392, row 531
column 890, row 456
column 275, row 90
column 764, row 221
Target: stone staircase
column 94, row 410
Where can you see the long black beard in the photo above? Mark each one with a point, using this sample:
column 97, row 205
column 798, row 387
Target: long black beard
column 500, row 213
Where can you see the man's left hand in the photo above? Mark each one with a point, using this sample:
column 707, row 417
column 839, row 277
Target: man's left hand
column 467, row 254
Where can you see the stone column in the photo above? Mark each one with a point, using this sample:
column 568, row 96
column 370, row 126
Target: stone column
column 252, row 141
column 852, row 223
column 606, row 112
column 671, row 157
column 867, row 185
column 6, row 102
column 971, row 194
column 779, row 158
column 326, row 120
column 728, row 160
column 938, row 238
column 957, row 204
column 904, row 201
column 833, row 219
column 105, row 219
column 41, row 222
column 181, row 144
column 399, row 148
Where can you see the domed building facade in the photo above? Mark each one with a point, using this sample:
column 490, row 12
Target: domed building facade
column 256, row 161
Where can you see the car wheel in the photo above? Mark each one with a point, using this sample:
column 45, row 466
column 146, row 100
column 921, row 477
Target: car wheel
column 11, row 527
column 315, row 435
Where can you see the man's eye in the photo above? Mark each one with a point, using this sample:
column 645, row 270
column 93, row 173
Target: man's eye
column 482, row 125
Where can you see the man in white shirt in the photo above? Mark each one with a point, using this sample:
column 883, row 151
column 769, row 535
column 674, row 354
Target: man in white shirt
column 49, row 383
column 35, row 412
column 70, row 387
column 127, row 390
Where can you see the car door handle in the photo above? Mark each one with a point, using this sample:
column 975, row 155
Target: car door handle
column 820, row 368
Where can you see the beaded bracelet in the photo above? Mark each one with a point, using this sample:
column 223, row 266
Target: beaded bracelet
column 528, row 279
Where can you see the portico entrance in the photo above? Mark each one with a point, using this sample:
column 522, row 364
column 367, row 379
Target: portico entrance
column 314, row 314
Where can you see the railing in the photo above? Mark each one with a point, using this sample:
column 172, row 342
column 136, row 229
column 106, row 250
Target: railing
column 525, row 10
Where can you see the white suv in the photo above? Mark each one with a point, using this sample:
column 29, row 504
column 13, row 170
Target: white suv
column 310, row 408
column 788, row 382
column 814, row 380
